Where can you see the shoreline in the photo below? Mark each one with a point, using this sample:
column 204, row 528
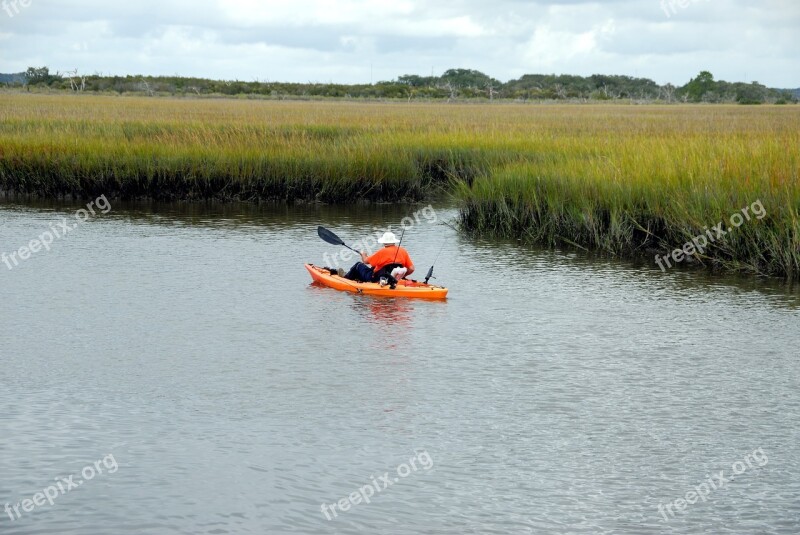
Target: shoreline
column 621, row 180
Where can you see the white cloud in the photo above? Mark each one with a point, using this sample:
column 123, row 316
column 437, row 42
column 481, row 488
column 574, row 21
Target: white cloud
column 550, row 48
column 313, row 12
column 339, row 40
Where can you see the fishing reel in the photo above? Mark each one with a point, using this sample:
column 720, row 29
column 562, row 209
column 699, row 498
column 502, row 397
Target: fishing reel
column 429, row 276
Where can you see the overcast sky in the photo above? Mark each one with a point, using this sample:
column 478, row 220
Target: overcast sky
column 363, row 40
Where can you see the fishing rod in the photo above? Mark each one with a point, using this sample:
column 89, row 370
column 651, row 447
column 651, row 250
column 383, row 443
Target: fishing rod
column 430, row 276
column 398, row 245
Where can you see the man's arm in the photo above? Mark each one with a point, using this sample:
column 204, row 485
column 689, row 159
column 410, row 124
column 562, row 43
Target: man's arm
column 410, row 266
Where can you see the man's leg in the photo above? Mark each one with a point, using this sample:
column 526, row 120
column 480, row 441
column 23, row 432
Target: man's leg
column 365, row 273
column 359, row 272
column 353, row 273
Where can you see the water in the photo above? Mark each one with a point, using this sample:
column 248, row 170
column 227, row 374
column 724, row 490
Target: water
column 550, row 393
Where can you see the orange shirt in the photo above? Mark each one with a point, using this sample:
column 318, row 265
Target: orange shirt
column 386, row 256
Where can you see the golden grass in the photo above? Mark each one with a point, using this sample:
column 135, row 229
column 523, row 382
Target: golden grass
column 619, row 178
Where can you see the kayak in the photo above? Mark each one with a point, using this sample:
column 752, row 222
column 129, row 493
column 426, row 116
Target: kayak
column 404, row 288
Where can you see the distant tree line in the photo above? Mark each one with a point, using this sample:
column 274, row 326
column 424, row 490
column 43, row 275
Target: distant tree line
column 453, row 84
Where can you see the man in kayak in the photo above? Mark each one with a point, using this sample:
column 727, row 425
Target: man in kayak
column 392, row 262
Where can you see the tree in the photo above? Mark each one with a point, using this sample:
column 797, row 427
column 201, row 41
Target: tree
column 415, row 80
column 464, row 78
column 754, row 93
column 40, row 75
column 144, row 85
column 491, row 90
column 453, row 89
column 76, row 81
column 699, row 86
column 668, row 91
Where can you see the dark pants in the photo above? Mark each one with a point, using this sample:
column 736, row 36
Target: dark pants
column 360, row 272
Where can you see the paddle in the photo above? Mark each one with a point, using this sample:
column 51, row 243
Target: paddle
column 333, row 239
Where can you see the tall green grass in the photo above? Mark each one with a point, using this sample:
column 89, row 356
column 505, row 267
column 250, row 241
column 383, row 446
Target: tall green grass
column 623, row 193
column 619, row 179
column 172, row 149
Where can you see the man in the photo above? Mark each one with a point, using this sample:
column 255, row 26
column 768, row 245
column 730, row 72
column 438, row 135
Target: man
column 392, row 262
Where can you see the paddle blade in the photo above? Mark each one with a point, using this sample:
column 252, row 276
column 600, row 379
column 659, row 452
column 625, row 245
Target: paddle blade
column 329, row 236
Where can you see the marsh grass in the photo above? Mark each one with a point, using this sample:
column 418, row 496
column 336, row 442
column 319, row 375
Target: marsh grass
column 619, row 179
column 629, row 194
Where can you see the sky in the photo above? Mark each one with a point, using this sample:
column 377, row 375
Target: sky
column 363, row 41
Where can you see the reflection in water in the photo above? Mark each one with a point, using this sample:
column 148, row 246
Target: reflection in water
column 390, row 314
column 386, row 321
column 524, row 263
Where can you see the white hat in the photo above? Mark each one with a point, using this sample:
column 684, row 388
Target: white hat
column 388, row 239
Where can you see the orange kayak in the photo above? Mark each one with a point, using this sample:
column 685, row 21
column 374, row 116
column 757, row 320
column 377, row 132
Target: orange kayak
column 404, row 288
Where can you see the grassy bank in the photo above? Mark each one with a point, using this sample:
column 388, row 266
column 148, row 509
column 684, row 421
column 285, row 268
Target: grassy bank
column 621, row 179
column 642, row 183
column 232, row 150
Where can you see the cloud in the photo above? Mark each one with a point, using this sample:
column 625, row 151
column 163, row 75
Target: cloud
column 549, row 47
column 353, row 40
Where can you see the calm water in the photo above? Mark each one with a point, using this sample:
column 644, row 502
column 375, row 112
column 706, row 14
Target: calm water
column 550, row 393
